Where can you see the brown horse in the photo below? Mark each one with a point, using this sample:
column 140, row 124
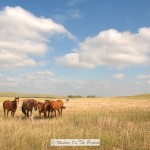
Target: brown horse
column 41, row 108
column 28, row 105
column 56, row 105
column 11, row 106
column 47, row 106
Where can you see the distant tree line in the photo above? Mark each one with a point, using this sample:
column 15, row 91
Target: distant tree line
column 79, row 96
column 91, row 96
column 74, row 96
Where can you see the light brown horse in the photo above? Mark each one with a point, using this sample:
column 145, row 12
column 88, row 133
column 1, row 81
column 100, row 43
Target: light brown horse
column 10, row 106
column 41, row 108
column 56, row 105
column 28, row 105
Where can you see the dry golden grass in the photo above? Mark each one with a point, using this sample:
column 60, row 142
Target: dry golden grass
column 119, row 123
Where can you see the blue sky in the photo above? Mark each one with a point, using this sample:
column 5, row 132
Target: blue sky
column 77, row 47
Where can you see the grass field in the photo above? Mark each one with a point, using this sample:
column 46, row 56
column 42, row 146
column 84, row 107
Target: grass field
column 119, row 123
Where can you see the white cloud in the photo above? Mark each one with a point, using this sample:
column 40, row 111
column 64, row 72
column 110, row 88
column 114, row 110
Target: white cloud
column 74, row 14
column 44, row 75
column 144, row 76
column 38, row 79
column 118, row 76
column 45, row 81
column 111, row 48
column 75, row 2
column 12, row 60
column 8, row 81
column 137, row 83
column 67, row 15
column 22, row 35
column 72, row 2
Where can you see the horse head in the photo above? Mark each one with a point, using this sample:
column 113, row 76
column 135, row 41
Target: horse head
column 46, row 104
column 17, row 100
column 35, row 103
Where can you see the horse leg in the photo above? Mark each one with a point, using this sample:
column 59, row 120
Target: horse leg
column 48, row 113
column 59, row 112
column 24, row 111
column 55, row 113
column 51, row 113
column 31, row 114
column 45, row 114
column 12, row 113
column 4, row 112
column 27, row 113
column 39, row 114
column 7, row 112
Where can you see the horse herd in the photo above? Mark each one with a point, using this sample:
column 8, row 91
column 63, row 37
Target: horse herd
column 28, row 105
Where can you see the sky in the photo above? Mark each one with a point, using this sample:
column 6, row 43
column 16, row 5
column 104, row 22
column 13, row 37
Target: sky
column 75, row 47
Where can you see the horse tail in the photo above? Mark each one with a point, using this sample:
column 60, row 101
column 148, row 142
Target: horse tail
column 4, row 105
column 63, row 107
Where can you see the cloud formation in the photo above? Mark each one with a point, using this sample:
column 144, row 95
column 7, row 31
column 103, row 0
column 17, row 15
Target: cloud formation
column 46, row 81
column 75, row 2
column 111, row 48
column 23, row 34
column 118, row 76
column 144, row 76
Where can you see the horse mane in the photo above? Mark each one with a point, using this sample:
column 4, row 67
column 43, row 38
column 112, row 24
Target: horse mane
column 14, row 102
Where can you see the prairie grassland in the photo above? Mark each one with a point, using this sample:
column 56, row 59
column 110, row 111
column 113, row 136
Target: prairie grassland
column 119, row 123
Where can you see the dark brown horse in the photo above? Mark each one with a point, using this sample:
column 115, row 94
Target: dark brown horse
column 28, row 105
column 41, row 108
column 10, row 106
column 56, row 105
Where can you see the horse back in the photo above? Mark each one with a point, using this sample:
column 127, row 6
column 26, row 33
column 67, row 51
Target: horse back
column 27, row 104
column 7, row 104
column 57, row 104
